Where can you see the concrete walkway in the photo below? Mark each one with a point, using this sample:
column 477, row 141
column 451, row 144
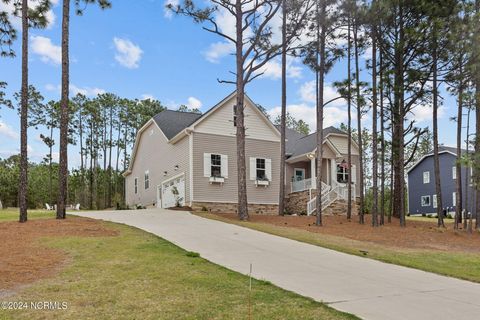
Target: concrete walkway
column 364, row 287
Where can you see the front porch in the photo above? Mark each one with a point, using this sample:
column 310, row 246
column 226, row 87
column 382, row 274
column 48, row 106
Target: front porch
column 302, row 172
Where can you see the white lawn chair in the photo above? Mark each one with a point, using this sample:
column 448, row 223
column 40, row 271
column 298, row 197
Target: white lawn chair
column 48, row 207
column 77, row 206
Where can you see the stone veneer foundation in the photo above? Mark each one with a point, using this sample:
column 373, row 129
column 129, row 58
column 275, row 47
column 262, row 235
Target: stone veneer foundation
column 218, row 207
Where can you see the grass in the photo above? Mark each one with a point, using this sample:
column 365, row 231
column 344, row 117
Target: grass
column 11, row 214
column 137, row 275
column 454, row 264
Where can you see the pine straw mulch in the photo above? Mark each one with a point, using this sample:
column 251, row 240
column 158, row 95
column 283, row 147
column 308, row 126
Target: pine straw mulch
column 23, row 259
column 416, row 235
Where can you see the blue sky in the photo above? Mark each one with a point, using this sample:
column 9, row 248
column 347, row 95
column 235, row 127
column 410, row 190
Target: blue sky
column 136, row 49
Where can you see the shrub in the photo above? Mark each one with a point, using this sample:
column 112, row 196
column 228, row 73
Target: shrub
column 192, row 254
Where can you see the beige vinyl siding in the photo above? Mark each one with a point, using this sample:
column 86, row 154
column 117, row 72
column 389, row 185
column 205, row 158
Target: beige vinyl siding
column 156, row 155
column 204, row 191
column 341, row 143
column 220, row 122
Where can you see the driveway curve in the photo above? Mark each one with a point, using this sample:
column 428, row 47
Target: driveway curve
column 367, row 288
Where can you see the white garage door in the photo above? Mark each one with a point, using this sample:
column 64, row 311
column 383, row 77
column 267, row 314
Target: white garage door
column 173, row 191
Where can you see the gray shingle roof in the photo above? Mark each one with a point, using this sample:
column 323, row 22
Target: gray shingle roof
column 172, row 122
column 298, row 144
column 450, row 149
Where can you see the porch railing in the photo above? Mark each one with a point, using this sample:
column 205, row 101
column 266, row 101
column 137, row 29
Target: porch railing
column 329, row 196
column 301, row 185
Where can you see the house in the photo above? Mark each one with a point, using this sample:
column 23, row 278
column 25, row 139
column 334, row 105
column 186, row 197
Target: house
column 182, row 158
column 422, row 198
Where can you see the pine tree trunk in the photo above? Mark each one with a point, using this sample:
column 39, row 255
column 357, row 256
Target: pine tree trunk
column 359, row 122
column 240, row 120
column 281, row 197
column 349, row 124
column 438, row 186
column 382, row 141
column 109, row 198
column 64, row 110
column 23, row 182
column 374, row 130
column 321, row 79
column 459, row 197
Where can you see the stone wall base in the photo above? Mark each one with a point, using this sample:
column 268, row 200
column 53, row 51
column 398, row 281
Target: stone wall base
column 216, row 207
column 296, row 203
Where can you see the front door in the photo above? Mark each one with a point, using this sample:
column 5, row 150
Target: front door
column 299, row 174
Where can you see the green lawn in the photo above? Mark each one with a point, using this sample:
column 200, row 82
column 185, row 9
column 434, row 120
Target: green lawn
column 137, row 275
column 11, row 214
column 455, row 264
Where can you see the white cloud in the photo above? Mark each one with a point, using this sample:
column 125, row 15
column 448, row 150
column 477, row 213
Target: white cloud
column 423, row 113
column 273, row 69
column 308, row 94
column 194, row 103
column 86, row 91
column 74, row 90
column 147, row 96
column 167, row 12
column 7, row 131
column 48, row 52
column 333, row 116
column 127, row 53
column 16, row 20
column 218, row 50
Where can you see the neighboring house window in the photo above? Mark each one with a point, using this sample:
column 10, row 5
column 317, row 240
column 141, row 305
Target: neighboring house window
column 342, row 174
column 435, row 201
column 454, row 173
column 235, row 115
column 454, row 198
column 425, row 201
column 426, row 177
column 261, row 174
column 147, row 180
column 216, row 165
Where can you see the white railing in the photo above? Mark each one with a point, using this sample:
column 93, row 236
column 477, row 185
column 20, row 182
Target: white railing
column 301, row 185
column 329, row 196
column 307, row 184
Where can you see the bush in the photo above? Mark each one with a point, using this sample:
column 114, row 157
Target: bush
column 429, row 216
column 204, row 208
column 192, row 254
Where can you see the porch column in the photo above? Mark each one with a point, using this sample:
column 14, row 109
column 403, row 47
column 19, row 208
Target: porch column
column 313, row 171
column 333, row 167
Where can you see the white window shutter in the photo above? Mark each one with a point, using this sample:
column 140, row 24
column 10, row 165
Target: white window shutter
column 224, row 164
column 268, row 169
column 354, row 174
column 207, row 164
column 253, row 168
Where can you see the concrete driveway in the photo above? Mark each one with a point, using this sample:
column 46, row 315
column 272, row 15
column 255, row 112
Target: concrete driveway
column 364, row 287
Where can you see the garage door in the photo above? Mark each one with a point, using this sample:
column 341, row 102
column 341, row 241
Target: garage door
column 172, row 191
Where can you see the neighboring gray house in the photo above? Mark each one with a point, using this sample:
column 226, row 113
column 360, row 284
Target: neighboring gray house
column 190, row 159
column 422, row 198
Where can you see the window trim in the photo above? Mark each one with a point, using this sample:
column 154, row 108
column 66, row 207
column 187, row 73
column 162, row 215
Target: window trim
column 264, row 169
column 454, row 172
column 429, row 202
column 215, row 165
column 234, row 109
column 454, row 198
column 428, row 175
column 434, row 201
column 146, row 178
column 344, row 174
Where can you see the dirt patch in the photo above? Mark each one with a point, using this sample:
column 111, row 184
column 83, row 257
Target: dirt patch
column 24, row 259
column 417, row 234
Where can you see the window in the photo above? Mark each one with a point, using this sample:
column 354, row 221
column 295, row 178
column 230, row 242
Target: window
column 454, row 172
column 136, row 185
column 261, row 172
column 342, row 173
column 216, row 165
column 235, row 115
column 426, row 177
column 147, row 180
column 435, row 201
column 454, row 198
column 425, row 201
